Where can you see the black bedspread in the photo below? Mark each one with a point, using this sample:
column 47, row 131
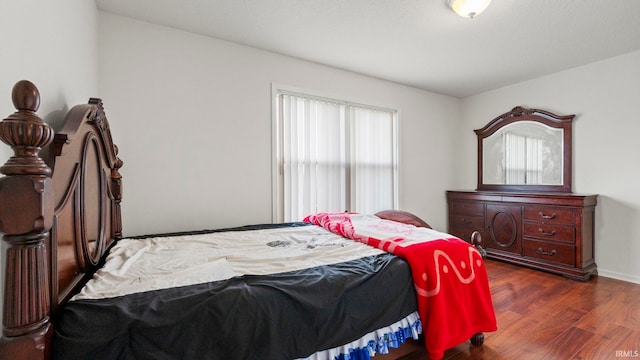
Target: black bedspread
column 280, row 316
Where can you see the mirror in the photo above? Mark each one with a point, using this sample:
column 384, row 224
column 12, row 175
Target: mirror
column 525, row 150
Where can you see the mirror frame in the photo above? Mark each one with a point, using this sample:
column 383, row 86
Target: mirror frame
column 519, row 113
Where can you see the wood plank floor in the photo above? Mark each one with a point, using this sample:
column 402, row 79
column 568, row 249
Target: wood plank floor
column 543, row 316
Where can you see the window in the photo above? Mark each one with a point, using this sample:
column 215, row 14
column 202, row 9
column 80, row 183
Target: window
column 332, row 155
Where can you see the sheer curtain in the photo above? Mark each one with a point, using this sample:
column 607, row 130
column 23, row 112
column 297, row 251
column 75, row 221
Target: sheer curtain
column 523, row 159
column 514, row 158
column 373, row 174
column 534, row 161
column 333, row 156
column 313, row 156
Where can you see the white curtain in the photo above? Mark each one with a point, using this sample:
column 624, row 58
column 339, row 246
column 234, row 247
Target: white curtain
column 373, row 173
column 534, row 161
column 523, row 159
column 312, row 157
column 514, row 158
column 333, row 156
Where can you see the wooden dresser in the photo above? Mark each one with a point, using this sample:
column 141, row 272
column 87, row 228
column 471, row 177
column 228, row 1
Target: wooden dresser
column 547, row 231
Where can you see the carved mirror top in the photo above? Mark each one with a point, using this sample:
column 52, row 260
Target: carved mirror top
column 525, row 150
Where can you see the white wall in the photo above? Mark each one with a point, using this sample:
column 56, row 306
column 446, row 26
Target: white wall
column 54, row 45
column 192, row 118
column 606, row 147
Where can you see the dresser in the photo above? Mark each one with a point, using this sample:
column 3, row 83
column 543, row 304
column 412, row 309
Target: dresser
column 547, row 231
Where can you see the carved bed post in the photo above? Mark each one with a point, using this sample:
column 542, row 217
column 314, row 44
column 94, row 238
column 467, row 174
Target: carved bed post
column 26, row 215
column 116, row 189
column 100, row 119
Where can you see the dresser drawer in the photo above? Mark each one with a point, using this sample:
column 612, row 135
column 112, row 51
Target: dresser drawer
column 472, row 222
column 467, row 208
column 548, row 251
column 549, row 215
column 550, row 232
column 464, row 233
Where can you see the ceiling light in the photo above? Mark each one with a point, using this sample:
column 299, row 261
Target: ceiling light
column 468, row 8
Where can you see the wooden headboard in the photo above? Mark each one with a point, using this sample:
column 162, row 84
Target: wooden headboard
column 59, row 213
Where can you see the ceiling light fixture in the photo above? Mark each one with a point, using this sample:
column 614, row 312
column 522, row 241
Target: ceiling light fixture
column 468, row 8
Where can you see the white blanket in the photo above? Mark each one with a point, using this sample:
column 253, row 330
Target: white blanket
column 137, row 265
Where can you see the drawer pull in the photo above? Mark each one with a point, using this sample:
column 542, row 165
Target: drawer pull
column 548, row 217
column 551, row 253
column 553, row 232
column 467, row 222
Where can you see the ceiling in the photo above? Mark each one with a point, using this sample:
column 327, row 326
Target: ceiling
column 420, row 43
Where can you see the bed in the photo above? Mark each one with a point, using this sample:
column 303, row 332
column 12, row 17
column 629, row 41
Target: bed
column 334, row 286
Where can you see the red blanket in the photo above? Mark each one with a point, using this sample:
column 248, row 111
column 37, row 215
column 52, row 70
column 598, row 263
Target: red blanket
column 454, row 300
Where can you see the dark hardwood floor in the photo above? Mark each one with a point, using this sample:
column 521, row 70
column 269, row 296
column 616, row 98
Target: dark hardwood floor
column 543, row 316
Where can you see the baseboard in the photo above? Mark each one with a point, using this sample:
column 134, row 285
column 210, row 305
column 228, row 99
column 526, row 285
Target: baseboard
column 619, row 276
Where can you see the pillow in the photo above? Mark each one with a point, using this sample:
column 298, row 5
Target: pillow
column 403, row 217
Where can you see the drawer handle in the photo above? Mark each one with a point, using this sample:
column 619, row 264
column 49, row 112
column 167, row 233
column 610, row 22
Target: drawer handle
column 465, row 221
column 553, row 232
column 552, row 216
column 541, row 251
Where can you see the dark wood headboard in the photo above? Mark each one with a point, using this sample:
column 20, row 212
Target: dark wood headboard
column 59, row 213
